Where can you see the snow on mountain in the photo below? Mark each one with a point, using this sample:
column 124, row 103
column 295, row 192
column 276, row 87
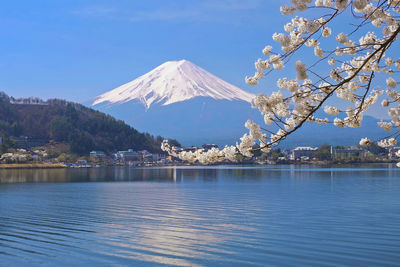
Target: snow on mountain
column 172, row 82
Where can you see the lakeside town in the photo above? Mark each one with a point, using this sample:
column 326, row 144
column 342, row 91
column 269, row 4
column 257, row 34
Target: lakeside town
column 29, row 153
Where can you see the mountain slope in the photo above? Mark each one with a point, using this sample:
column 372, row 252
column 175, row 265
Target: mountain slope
column 204, row 120
column 180, row 100
column 316, row 135
column 84, row 129
column 196, row 121
column 172, row 82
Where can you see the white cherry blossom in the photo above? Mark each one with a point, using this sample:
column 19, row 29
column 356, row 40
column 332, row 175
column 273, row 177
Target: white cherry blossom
column 358, row 61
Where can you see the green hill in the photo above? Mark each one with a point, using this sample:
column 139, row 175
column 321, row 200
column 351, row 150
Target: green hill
column 82, row 128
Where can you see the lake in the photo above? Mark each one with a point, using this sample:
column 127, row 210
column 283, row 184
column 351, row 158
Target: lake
column 201, row 216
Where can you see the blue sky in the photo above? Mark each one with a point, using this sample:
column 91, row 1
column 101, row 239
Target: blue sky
column 79, row 49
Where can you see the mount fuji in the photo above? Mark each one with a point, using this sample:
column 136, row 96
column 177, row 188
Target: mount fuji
column 180, row 100
column 172, row 82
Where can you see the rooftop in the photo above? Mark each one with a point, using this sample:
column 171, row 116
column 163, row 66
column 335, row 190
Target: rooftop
column 305, row 148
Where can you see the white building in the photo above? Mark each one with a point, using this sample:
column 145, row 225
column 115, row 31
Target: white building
column 303, row 152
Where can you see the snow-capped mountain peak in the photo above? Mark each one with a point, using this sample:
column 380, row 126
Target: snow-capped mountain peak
column 171, row 82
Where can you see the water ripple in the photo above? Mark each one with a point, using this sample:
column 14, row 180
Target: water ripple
column 278, row 216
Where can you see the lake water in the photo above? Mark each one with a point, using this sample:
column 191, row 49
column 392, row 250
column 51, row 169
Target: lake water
column 201, row 216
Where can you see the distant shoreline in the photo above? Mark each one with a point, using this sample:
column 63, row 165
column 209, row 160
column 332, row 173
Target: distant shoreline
column 32, row 166
column 310, row 163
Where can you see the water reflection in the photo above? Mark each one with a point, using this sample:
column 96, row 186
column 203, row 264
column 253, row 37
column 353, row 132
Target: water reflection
column 180, row 174
column 193, row 216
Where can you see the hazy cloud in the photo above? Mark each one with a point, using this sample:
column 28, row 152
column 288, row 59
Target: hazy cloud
column 234, row 4
column 95, row 11
column 175, row 10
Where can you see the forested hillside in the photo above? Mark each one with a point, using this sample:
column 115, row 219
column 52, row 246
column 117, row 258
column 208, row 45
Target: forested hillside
column 84, row 129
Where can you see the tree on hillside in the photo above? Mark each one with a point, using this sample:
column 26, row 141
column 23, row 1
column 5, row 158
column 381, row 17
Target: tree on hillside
column 323, row 153
column 352, row 65
column 81, row 128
